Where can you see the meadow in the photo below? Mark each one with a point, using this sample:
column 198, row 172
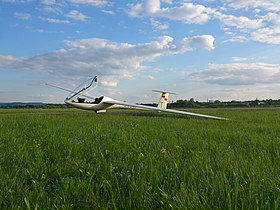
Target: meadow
column 75, row 159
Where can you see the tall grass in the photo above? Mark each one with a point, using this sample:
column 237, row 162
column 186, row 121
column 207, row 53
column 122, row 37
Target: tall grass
column 72, row 159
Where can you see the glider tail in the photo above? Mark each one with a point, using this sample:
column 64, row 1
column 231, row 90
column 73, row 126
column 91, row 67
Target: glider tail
column 163, row 100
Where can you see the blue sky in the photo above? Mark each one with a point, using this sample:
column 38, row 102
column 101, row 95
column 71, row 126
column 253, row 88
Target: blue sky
column 216, row 50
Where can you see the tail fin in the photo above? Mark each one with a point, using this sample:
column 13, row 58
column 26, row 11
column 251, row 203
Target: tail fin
column 163, row 100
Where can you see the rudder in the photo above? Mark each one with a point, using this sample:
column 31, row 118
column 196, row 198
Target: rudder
column 163, row 98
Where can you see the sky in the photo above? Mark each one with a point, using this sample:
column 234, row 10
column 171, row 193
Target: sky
column 203, row 49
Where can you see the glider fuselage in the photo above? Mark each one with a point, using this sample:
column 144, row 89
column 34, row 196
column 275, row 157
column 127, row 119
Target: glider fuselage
column 92, row 105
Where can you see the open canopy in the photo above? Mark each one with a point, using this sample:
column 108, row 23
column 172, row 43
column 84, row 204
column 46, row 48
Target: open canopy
column 84, row 88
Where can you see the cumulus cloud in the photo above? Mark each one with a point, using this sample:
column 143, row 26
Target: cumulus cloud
column 187, row 12
column 271, row 33
column 239, row 74
column 109, row 81
column 204, row 41
column 274, row 18
column 270, row 5
column 259, row 28
column 76, row 15
column 265, row 28
column 190, row 13
column 85, row 57
column 152, row 6
column 239, row 22
column 159, row 25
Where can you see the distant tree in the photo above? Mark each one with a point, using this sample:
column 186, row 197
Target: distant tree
column 181, row 103
column 270, row 102
column 192, row 103
column 217, row 102
column 255, row 102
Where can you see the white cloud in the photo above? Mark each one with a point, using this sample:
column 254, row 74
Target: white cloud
column 239, row 22
column 148, row 77
column 9, row 61
column 108, row 12
column 270, row 5
column 270, row 35
column 239, row 74
column 76, row 15
column 52, row 9
column 159, row 25
column 236, row 39
column 187, row 13
column 167, row 1
column 17, row 1
column 204, row 41
column 103, row 57
column 53, row 6
column 92, row 2
column 152, row 6
column 109, row 81
column 22, row 16
column 257, row 11
column 49, row 2
column 134, row 10
column 274, row 18
column 261, row 28
column 54, row 20
column 47, row 31
column 239, row 59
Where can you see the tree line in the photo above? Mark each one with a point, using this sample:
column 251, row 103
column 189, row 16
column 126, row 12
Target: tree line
column 216, row 104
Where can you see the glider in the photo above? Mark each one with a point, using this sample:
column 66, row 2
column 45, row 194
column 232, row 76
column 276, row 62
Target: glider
column 80, row 98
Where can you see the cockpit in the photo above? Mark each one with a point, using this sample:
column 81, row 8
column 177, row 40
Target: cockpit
column 84, row 100
column 80, row 94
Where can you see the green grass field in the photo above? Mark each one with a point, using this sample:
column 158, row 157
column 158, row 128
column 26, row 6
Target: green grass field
column 74, row 159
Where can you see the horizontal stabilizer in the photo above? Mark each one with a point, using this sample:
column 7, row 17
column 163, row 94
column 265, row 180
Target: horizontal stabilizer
column 162, row 91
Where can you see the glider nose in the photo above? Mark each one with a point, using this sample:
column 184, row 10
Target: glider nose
column 67, row 101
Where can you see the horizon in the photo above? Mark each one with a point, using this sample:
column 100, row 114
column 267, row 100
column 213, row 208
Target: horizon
column 169, row 101
column 222, row 50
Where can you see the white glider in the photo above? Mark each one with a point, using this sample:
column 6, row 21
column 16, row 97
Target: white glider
column 80, row 98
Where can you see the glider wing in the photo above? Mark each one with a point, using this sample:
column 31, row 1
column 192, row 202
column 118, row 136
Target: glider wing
column 137, row 106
